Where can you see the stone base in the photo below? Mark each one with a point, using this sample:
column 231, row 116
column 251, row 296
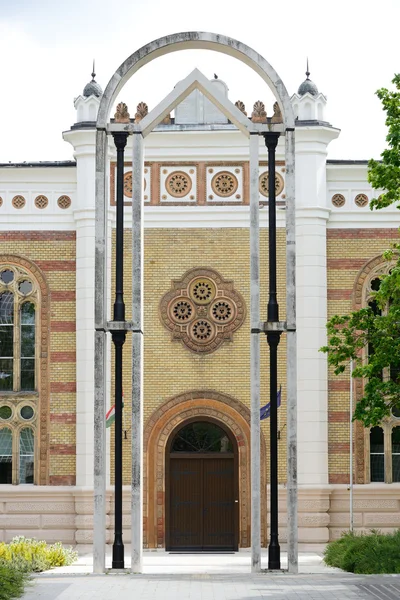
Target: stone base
column 66, row 513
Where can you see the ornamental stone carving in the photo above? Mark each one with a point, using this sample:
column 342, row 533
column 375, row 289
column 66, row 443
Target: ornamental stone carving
column 202, row 310
column 338, row 200
column 259, row 114
column 240, row 105
column 178, row 184
column 141, row 111
column 263, row 184
column 122, row 115
column 18, row 202
column 361, row 200
column 41, row 201
column 224, row 184
column 64, row 202
column 277, row 116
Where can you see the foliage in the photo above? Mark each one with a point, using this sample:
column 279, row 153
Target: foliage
column 348, row 335
column 372, row 553
column 11, row 582
column 30, row 555
column 376, row 332
column 385, row 174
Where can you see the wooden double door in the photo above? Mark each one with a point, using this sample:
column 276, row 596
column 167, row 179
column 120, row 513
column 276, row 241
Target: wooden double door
column 202, row 502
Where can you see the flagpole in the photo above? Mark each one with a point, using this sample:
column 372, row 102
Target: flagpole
column 351, row 446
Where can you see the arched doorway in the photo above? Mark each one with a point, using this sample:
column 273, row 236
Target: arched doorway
column 202, row 496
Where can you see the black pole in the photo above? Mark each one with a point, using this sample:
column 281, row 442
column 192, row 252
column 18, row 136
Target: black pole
column 118, row 337
column 273, row 337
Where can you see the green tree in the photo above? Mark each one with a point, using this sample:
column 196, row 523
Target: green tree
column 375, row 330
column 385, row 174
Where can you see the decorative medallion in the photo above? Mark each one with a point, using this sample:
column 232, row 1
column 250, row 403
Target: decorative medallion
column 41, row 201
column 64, row 202
column 259, row 115
column 122, row 115
column 178, row 184
column 18, row 202
column 240, row 105
column 1, row 201
column 338, row 200
column 361, row 200
column 202, row 310
column 128, row 184
column 224, row 184
column 263, row 184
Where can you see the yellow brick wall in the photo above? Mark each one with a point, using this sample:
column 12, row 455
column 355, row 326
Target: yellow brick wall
column 170, row 368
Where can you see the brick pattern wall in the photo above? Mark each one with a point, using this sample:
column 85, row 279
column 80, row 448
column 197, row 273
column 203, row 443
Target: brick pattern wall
column 57, row 384
column 349, row 254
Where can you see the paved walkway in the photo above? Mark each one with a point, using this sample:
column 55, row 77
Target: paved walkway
column 210, row 577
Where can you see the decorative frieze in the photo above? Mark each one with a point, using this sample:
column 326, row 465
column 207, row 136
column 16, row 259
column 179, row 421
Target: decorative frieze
column 202, row 183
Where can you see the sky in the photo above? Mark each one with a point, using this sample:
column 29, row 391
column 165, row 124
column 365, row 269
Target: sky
column 47, row 48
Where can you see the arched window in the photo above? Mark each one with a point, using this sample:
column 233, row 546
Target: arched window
column 383, row 441
column 19, row 299
column 201, row 437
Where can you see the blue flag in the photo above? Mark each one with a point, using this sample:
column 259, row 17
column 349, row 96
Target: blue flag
column 265, row 411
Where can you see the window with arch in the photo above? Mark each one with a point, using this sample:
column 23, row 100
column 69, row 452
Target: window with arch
column 19, row 298
column 383, row 441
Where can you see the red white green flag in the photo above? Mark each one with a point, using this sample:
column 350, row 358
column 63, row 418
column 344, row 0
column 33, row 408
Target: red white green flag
column 110, row 416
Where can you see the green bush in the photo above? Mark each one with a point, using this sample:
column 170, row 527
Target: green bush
column 30, row 555
column 365, row 553
column 11, row 582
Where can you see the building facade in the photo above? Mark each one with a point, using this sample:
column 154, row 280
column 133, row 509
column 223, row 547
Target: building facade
column 197, row 343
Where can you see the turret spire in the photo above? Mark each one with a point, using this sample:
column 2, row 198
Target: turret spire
column 308, row 70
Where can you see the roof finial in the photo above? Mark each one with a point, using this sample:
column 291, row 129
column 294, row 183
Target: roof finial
column 308, row 71
column 93, row 73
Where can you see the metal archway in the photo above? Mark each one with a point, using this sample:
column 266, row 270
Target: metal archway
column 143, row 56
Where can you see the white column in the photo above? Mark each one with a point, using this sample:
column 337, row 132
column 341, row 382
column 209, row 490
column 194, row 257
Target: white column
column 137, row 353
column 311, row 218
column 255, row 356
column 83, row 142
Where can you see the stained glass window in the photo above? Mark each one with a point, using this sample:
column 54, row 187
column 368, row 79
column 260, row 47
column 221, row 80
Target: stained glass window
column 26, row 456
column 201, row 437
column 377, row 454
column 5, row 455
column 27, row 346
column 396, row 454
column 6, row 340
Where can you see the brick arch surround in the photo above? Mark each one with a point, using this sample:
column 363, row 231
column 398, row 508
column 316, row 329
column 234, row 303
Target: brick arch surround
column 43, row 383
column 174, row 412
column 358, row 302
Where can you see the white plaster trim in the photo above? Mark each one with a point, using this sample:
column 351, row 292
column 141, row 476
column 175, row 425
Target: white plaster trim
column 197, row 217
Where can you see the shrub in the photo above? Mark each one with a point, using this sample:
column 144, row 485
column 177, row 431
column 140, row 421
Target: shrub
column 30, row 555
column 11, row 582
column 365, row 553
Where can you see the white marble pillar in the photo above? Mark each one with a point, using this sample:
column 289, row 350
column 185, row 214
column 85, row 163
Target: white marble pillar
column 83, row 141
column 311, row 271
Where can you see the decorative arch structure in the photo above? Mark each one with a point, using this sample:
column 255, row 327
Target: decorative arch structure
column 164, row 421
column 143, row 56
